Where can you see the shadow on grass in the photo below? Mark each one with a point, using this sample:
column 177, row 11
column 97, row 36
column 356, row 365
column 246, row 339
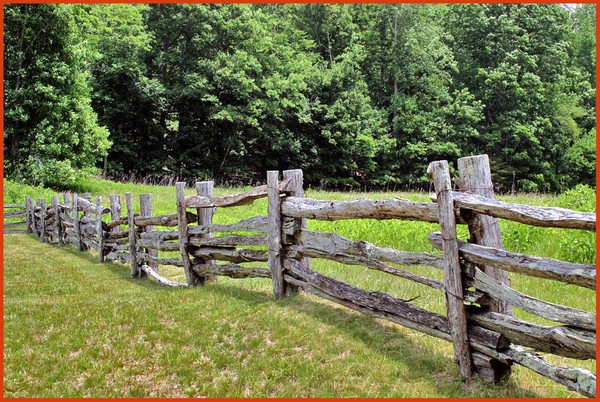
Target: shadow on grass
column 388, row 341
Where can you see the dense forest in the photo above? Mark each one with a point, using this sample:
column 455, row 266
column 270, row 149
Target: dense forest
column 355, row 94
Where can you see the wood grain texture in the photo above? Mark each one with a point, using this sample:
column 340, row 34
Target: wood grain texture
column 457, row 317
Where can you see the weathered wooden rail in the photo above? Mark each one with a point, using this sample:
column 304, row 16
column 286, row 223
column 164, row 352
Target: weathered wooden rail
column 487, row 338
column 14, row 222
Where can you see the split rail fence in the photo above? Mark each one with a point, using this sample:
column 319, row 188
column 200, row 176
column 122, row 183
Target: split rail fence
column 486, row 337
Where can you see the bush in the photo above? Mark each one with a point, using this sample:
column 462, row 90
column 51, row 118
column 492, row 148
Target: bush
column 580, row 198
column 57, row 175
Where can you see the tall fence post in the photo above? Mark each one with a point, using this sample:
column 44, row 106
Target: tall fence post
column 457, row 316
column 205, row 216
column 296, row 190
column 67, row 203
column 146, row 210
column 57, row 225
column 135, row 270
column 28, row 209
column 76, row 224
column 115, row 210
column 475, row 177
column 182, row 224
column 41, row 202
column 99, row 229
column 274, row 234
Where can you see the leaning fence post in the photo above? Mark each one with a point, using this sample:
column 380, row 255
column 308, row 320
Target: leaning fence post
column 296, row 190
column 135, row 271
column 182, row 225
column 67, row 202
column 475, row 177
column 99, row 229
column 76, row 226
column 115, row 211
column 274, row 234
column 28, row 220
column 205, row 216
column 457, row 317
column 146, row 210
column 57, row 225
column 42, row 204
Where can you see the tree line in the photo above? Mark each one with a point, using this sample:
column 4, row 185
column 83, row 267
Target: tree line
column 353, row 94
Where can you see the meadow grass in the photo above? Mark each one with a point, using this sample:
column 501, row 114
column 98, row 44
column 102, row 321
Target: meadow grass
column 74, row 327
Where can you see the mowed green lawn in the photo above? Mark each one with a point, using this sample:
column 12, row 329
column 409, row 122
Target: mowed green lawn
column 75, row 327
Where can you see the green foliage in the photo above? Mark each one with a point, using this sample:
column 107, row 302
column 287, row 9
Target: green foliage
column 49, row 119
column 355, row 95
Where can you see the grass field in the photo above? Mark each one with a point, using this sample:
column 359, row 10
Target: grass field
column 74, row 327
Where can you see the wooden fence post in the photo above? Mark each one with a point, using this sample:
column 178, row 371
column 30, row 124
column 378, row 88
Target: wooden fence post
column 457, row 316
column 296, row 190
column 67, row 203
column 115, row 211
column 146, row 210
column 42, row 204
column 205, row 217
column 57, row 225
column 76, row 226
column 99, row 230
column 274, row 234
column 475, row 177
column 135, row 270
column 182, row 224
column 28, row 209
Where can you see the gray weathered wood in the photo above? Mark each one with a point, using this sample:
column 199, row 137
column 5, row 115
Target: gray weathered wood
column 359, row 209
column 135, row 270
column 14, row 224
column 491, row 370
column 158, row 245
column 14, row 215
column 161, row 261
column 88, row 207
column 577, row 274
column 230, row 270
column 333, row 243
column 559, row 340
column 76, row 223
column 551, row 311
column 160, row 235
column 476, row 178
column 530, row 215
column 231, row 240
column 99, row 230
column 258, row 224
column 457, row 316
column 57, row 225
column 576, row 379
column 29, row 212
column 8, row 206
column 369, row 263
column 235, row 200
column 164, row 220
column 385, row 306
column 231, row 254
column 146, row 211
column 42, row 204
column 115, row 211
column 205, row 217
column 159, row 279
column 119, row 256
column 182, row 224
column 295, row 178
column 274, row 234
